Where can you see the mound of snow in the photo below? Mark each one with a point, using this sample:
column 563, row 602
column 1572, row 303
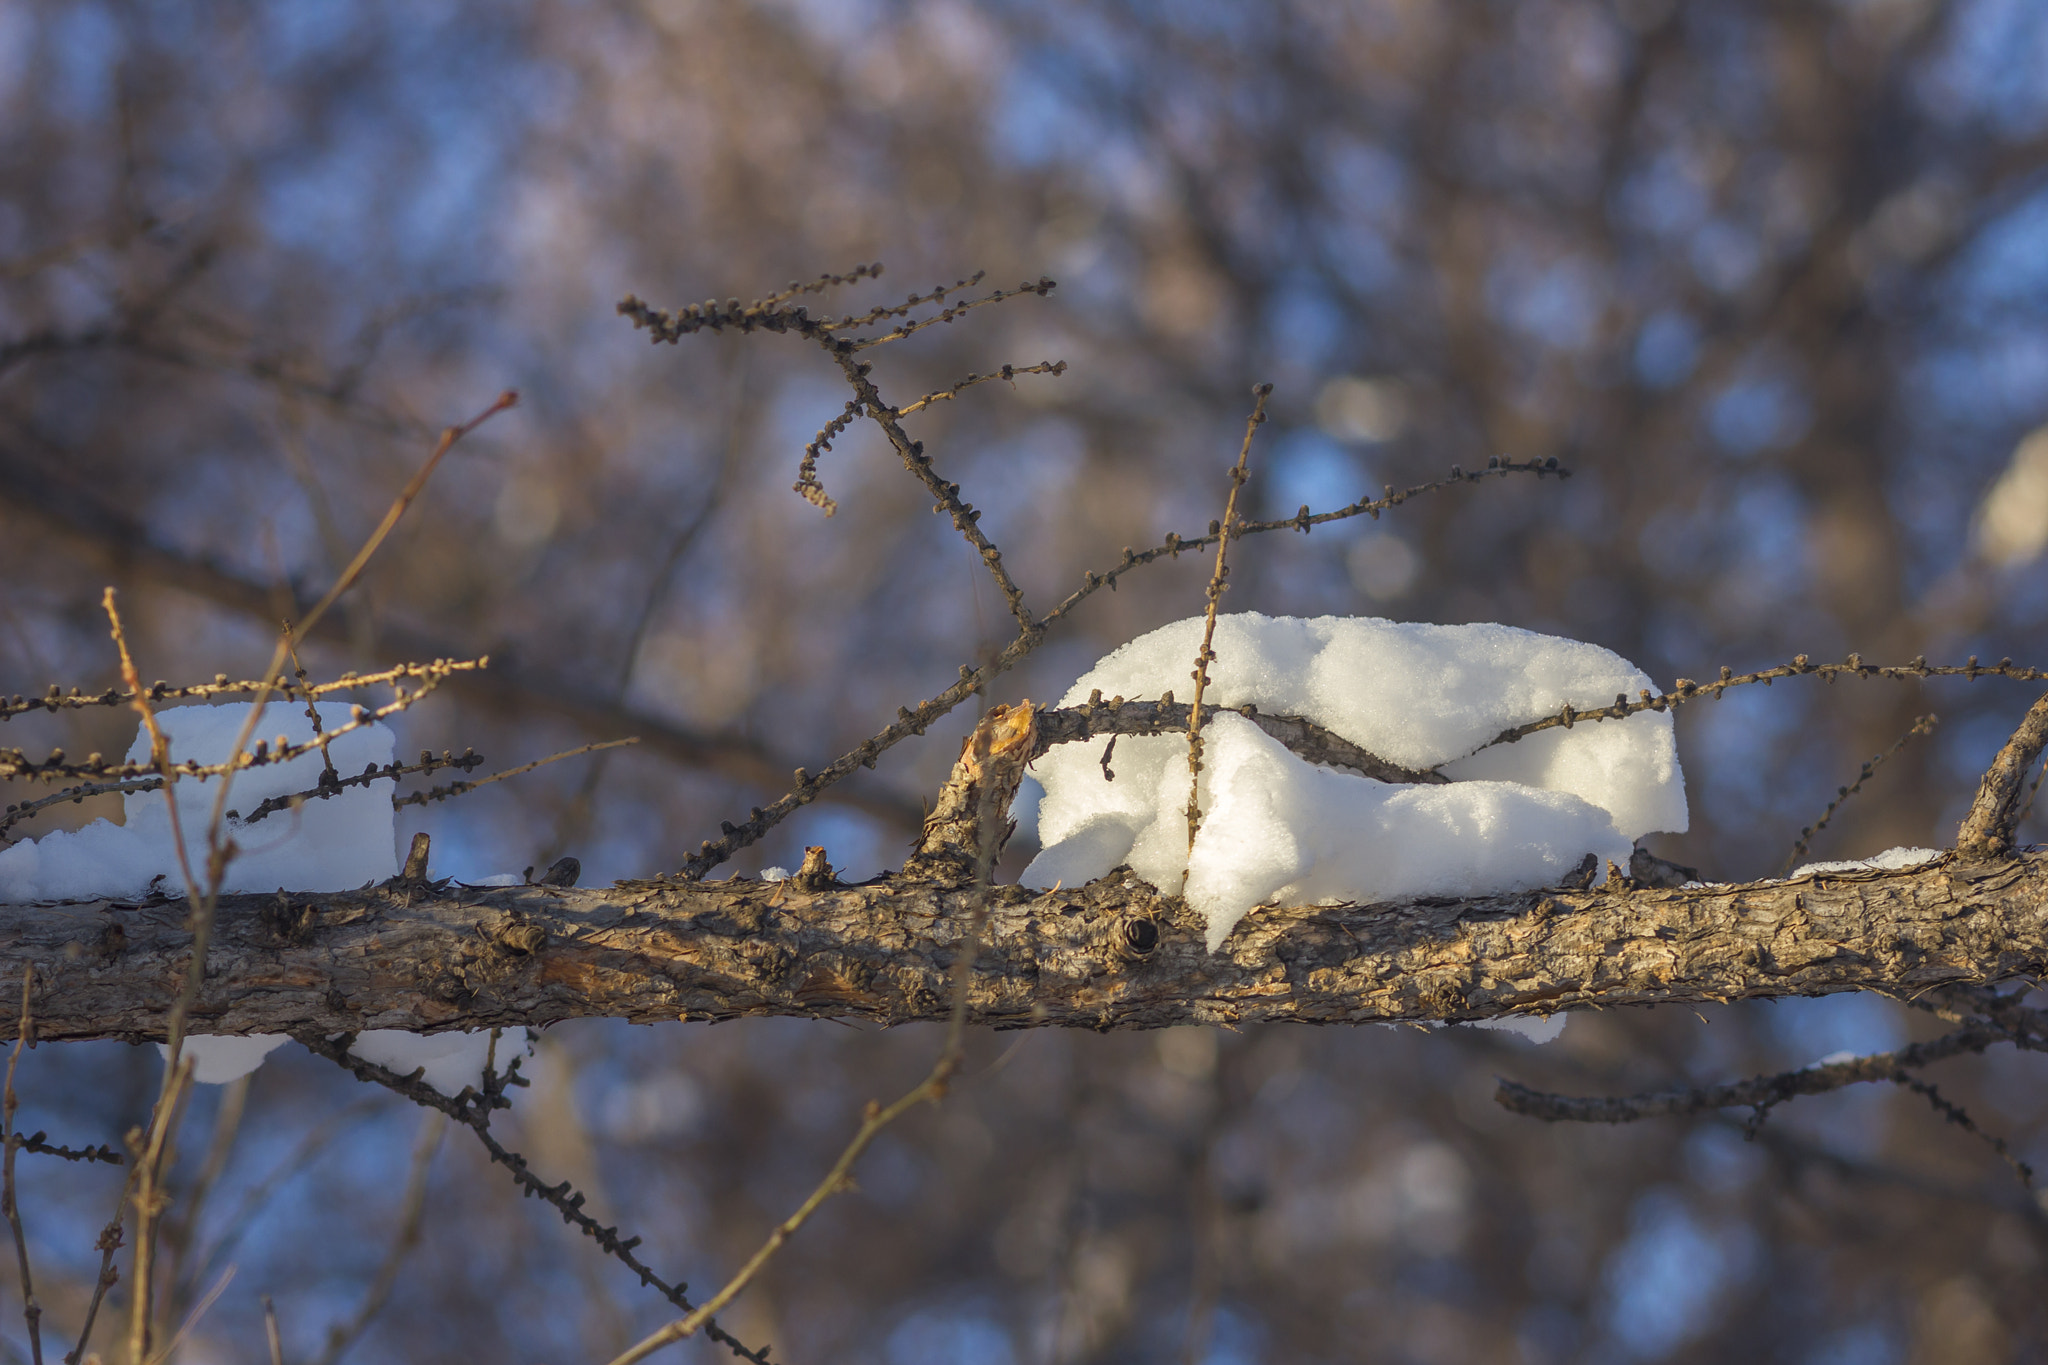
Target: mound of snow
column 333, row 844
column 1277, row 829
column 329, row 844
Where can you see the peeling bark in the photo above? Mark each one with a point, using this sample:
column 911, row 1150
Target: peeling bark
column 1113, row 954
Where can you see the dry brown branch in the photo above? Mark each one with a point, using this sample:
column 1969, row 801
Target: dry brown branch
column 392, row 514
column 31, row 1307
column 1219, row 583
column 57, row 699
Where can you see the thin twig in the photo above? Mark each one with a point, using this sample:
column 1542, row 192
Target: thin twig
column 1955, row 1114
column 1924, row 725
column 1007, row 372
column 152, row 1150
column 411, row 1217
column 1759, row 1092
column 389, row 772
column 1686, row 690
column 875, row 1118
column 57, row 699
column 473, row 1109
column 169, row 1348
column 1219, row 583
column 449, row 436
column 31, row 1308
column 178, row 1232
column 14, row 764
column 458, row 788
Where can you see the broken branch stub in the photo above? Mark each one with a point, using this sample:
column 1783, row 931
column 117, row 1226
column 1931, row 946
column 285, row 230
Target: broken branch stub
column 985, row 779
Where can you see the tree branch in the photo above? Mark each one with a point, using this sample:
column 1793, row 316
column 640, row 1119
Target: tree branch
column 1113, row 954
column 1988, row 828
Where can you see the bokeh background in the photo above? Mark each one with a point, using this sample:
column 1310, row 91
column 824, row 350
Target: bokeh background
column 1768, row 278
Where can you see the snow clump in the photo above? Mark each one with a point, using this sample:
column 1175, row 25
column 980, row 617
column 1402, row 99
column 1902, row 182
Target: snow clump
column 334, row 843
column 1277, row 829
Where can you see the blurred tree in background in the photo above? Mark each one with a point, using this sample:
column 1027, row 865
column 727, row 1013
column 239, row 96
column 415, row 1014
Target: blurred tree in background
column 1769, row 278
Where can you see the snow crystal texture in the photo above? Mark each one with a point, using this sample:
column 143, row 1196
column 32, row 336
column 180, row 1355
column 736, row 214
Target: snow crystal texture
column 328, row 845
column 1277, row 829
column 1891, row 860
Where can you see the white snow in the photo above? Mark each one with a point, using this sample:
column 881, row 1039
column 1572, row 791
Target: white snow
column 1277, row 829
column 1537, row 1028
column 452, row 1060
column 1891, row 860
column 218, row 1060
column 328, row 845
column 334, row 844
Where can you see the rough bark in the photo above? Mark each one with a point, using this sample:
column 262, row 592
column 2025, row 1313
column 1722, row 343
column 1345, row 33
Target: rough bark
column 1987, row 831
column 1114, row 954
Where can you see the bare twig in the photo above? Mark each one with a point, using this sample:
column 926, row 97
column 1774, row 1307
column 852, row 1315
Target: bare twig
column 980, row 757
column 270, row 1333
column 1006, row 373
column 31, row 1307
column 411, row 1217
column 1759, row 1092
column 473, row 1110
column 1686, row 690
column 1219, row 583
column 14, row 764
column 458, row 788
column 169, row 1348
column 152, row 1151
column 389, row 772
column 449, row 436
column 57, row 699
column 1924, row 725
column 1955, row 1114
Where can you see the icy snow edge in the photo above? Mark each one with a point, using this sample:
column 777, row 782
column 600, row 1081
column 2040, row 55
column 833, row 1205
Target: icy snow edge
column 1277, row 829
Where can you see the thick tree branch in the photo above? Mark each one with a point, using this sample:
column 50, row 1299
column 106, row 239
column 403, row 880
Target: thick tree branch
column 1113, row 954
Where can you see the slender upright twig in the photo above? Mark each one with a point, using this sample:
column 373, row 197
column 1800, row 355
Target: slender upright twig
column 411, row 1216
column 31, row 1309
column 1923, row 725
column 875, row 1118
column 1219, row 583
